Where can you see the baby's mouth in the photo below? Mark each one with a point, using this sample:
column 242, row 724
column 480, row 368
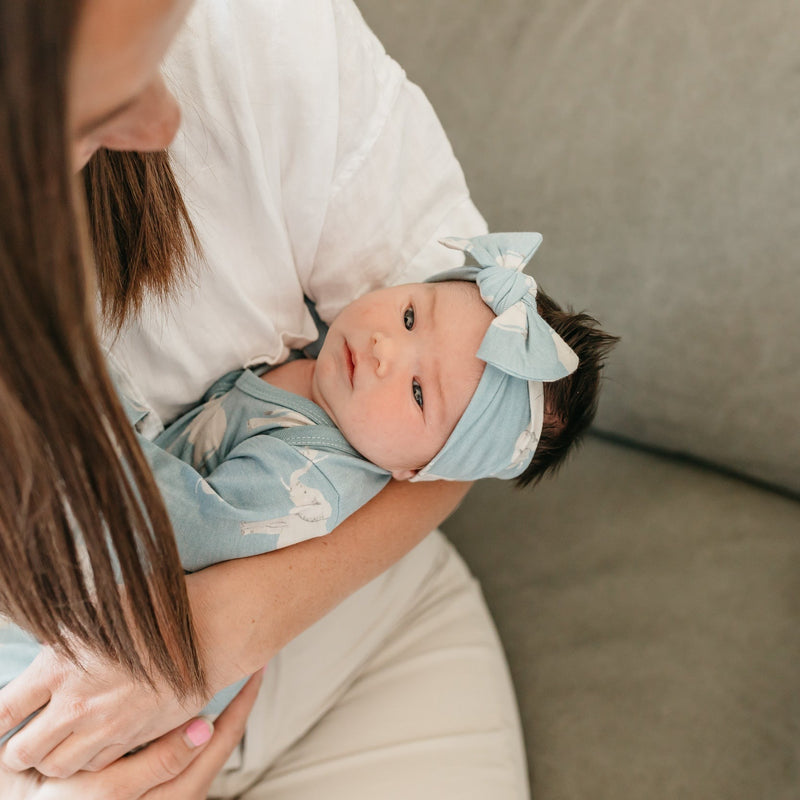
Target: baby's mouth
column 349, row 362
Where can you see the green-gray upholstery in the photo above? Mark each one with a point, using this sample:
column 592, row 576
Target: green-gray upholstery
column 650, row 603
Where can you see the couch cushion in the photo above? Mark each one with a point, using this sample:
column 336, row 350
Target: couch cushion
column 650, row 614
column 655, row 146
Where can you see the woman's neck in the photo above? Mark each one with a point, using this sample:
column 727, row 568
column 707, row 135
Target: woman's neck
column 294, row 376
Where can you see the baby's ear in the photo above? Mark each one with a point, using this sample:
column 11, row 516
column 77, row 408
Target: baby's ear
column 404, row 474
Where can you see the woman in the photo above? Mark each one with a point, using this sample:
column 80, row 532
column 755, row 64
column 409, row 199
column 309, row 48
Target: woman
column 319, row 176
column 47, row 316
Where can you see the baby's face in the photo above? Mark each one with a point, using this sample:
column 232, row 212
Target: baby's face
column 398, row 369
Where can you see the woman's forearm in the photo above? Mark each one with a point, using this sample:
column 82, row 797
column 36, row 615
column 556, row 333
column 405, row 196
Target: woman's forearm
column 248, row 609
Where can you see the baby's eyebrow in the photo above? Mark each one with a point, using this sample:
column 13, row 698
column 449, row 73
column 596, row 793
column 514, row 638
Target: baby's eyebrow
column 436, row 376
column 433, row 296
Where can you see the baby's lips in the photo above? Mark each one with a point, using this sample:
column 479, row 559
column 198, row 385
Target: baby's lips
column 350, row 361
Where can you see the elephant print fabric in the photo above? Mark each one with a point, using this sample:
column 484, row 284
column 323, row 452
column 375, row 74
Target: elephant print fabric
column 308, row 516
column 235, row 484
column 254, row 468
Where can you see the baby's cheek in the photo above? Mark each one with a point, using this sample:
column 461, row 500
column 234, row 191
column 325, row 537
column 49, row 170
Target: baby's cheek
column 393, row 432
column 372, row 434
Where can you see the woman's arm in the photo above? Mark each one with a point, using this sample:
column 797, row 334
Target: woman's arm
column 245, row 611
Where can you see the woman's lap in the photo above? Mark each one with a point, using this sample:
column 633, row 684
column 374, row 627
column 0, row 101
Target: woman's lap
column 401, row 691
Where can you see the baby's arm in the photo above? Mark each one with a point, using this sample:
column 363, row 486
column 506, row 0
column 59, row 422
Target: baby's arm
column 244, row 507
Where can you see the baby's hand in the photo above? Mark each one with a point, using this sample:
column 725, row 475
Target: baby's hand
column 89, row 717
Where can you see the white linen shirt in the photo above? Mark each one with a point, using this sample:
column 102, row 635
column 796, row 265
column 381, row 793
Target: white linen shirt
column 310, row 166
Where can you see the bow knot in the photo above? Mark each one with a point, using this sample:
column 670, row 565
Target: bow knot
column 502, row 287
column 519, row 341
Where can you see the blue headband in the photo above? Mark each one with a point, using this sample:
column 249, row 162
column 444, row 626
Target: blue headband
column 498, row 433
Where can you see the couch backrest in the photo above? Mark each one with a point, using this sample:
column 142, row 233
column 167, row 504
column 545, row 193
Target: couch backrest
column 656, row 146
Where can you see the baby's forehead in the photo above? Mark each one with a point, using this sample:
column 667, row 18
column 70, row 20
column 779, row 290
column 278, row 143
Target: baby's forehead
column 463, row 318
column 465, row 291
column 460, row 293
column 465, row 298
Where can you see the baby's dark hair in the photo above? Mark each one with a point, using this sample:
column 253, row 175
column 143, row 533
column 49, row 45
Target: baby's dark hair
column 569, row 403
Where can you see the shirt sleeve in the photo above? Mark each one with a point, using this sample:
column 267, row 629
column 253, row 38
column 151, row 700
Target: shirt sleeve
column 397, row 186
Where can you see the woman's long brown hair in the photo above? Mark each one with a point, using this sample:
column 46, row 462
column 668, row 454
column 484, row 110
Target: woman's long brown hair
column 79, row 509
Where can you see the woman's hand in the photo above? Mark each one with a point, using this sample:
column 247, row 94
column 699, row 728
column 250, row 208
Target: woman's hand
column 243, row 618
column 89, row 717
column 181, row 764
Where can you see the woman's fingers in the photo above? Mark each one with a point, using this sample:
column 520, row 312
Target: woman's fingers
column 94, row 706
column 76, row 752
column 182, row 763
column 130, row 778
column 20, row 698
column 228, row 731
column 106, row 756
column 53, row 743
column 18, row 785
column 159, row 763
column 229, row 726
column 31, row 746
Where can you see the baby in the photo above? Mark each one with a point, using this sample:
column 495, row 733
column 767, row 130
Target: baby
column 472, row 374
column 459, row 378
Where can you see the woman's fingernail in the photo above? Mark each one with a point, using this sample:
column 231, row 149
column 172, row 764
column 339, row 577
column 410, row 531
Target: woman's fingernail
column 199, row 732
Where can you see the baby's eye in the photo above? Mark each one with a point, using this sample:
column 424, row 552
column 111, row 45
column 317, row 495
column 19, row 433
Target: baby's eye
column 417, row 391
column 408, row 318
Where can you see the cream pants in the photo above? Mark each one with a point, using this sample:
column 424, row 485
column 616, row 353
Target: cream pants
column 401, row 692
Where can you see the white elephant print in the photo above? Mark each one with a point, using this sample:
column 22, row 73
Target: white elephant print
column 307, row 518
column 206, row 432
column 284, row 418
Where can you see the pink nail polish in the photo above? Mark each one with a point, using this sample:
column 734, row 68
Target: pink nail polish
column 199, row 731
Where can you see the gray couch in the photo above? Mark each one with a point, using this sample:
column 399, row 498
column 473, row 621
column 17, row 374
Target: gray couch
column 648, row 596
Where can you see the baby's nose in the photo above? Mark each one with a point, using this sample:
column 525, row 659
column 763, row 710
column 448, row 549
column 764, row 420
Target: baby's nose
column 383, row 351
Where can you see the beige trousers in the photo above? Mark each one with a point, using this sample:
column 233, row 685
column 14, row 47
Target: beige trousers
column 401, row 692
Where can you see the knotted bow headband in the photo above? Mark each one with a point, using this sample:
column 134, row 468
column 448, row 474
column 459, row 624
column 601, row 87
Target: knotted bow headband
column 498, row 433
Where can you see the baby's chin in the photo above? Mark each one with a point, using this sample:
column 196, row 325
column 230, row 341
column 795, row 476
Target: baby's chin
column 398, row 473
column 404, row 475
column 401, row 473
